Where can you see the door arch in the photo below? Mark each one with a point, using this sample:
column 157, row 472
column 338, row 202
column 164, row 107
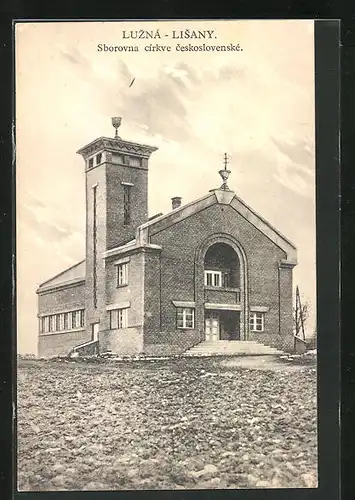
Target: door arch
column 200, row 259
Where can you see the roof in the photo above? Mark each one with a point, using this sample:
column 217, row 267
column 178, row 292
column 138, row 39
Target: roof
column 72, row 275
column 225, row 197
column 76, row 274
column 118, row 145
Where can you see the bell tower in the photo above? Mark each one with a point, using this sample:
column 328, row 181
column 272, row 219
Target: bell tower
column 117, row 176
column 116, row 203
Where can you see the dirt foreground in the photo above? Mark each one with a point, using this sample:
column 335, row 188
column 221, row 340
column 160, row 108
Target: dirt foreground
column 241, row 422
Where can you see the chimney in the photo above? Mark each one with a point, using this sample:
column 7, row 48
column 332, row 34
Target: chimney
column 176, row 202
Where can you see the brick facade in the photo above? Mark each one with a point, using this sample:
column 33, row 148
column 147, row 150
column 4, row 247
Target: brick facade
column 58, row 300
column 172, row 276
column 166, row 263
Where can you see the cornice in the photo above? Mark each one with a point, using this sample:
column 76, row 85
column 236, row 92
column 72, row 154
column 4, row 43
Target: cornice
column 117, row 146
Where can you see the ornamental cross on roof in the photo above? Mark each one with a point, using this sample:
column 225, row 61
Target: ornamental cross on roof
column 224, row 173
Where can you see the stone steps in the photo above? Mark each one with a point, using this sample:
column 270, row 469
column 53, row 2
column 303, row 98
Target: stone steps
column 231, row 348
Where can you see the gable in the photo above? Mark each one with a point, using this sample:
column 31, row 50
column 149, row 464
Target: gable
column 219, row 197
column 73, row 274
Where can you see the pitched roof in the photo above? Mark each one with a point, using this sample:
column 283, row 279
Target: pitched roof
column 71, row 275
column 76, row 273
column 225, row 197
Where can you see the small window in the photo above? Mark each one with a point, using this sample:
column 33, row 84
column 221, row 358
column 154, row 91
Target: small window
column 118, row 319
column 77, row 319
column 185, row 317
column 81, row 318
column 51, row 324
column 256, row 322
column 45, row 324
column 122, row 274
column 91, row 162
column 134, row 161
column 65, row 321
column 61, row 321
column 213, row 278
column 98, row 158
column 70, row 320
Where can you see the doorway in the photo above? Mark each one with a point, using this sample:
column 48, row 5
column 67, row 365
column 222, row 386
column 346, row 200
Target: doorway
column 95, row 331
column 212, row 326
column 230, row 325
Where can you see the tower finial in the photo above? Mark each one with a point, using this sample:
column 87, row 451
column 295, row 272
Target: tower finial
column 224, row 173
column 116, row 122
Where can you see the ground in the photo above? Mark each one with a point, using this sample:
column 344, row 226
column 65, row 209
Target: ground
column 166, row 424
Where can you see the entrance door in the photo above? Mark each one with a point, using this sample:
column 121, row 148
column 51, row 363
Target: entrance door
column 212, row 326
column 95, row 331
column 230, row 325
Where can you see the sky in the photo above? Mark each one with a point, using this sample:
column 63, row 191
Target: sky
column 256, row 104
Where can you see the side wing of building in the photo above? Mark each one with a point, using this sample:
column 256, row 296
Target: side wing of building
column 61, row 312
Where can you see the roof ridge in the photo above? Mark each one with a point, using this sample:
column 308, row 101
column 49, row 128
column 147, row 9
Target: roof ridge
column 265, row 221
column 60, row 274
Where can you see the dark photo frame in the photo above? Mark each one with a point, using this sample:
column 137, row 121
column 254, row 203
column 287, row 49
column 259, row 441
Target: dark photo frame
column 327, row 120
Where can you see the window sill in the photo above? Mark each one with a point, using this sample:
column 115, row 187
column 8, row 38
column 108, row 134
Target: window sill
column 257, row 331
column 185, row 327
column 222, row 288
column 122, row 286
column 59, row 332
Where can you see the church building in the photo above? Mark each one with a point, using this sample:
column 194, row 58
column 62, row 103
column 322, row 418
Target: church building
column 211, row 270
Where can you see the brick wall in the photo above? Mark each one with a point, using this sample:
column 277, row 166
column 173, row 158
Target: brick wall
column 93, row 177
column 152, row 297
column 58, row 300
column 60, row 344
column 126, row 341
column 285, row 342
column 173, row 342
column 286, row 305
column 117, row 233
column 132, row 292
column 176, row 273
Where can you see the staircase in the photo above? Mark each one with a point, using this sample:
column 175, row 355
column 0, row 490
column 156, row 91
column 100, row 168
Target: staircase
column 231, row 348
column 90, row 348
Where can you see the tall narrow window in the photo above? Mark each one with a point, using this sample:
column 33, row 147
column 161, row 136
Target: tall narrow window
column 126, row 205
column 94, row 248
column 122, row 274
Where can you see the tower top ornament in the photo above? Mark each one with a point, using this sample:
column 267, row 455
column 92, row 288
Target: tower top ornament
column 224, row 173
column 116, row 123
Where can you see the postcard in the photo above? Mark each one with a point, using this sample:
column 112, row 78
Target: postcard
column 166, row 255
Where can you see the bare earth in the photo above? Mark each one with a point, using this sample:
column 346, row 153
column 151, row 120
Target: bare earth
column 247, row 422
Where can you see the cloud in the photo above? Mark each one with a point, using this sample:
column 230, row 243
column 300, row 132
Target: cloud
column 51, row 223
column 257, row 106
column 300, row 151
column 76, row 58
